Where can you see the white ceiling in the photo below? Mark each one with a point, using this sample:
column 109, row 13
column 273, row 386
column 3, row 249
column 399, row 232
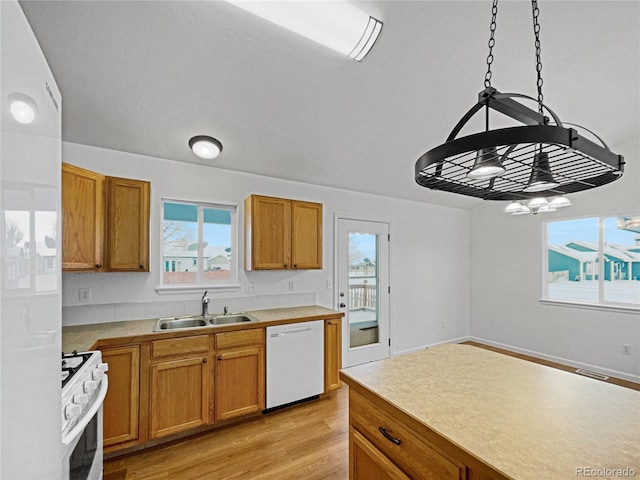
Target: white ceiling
column 144, row 77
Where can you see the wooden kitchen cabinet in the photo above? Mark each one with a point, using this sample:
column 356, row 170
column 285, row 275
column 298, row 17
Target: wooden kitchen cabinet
column 179, row 385
column 239, row 373
column 367, row 462
column 83, row 217
column 282, row 234
column 105, row 222
column 393, row 441
column 332, row 354
column 122, row 403
column 128, row 225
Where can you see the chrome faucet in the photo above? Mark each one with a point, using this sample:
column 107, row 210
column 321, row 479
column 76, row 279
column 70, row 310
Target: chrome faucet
column 205, row 304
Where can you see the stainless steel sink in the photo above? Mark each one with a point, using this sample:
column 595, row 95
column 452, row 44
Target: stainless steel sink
column 175, row 323
column 198, row 321
column 231, row 318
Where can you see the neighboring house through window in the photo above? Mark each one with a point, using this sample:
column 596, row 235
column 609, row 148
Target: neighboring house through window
column 199, row 245
column 594, row 261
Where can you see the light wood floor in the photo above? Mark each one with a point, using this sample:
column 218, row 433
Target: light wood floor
column 308, row 441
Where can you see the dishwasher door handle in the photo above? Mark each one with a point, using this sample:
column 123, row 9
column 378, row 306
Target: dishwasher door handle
column 291, row 332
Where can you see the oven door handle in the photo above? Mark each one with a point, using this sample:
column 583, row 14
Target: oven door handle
column 71, row 436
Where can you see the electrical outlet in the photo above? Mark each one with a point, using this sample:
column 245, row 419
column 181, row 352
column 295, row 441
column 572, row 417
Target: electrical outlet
column 626, row 349
column 292, row 286
column 85, row 295
column 251, row 288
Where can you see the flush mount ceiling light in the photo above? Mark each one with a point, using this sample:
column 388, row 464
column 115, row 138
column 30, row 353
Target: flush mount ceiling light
column 23, row 108
column 337, row 25
column 205, row 147
column 517, row 163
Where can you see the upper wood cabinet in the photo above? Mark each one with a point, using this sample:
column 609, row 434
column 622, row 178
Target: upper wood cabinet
column 128, row 224
column 105, row 222
column 282, row 234
column 83, row 207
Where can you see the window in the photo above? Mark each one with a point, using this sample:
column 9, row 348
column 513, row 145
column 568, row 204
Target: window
column 199, row 245
column 594, row 261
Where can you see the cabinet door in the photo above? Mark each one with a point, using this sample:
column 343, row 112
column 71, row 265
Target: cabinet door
column 83, row 206
column 306, row 235
column 128, row 224
column 179, row 395
column 366, row 462
column 332, row 354
column 268, row 232
column 122, row 403
column 239, row 382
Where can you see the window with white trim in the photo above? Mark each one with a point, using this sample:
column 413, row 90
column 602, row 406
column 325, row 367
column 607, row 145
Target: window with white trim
column 199, row 246
column 594, row 261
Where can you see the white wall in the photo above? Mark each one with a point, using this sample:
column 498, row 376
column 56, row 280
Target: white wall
column 506, row 265
column 429, row 252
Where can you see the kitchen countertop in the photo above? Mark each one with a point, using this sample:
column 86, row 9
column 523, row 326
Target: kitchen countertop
column 84, row 337
column 525, row 420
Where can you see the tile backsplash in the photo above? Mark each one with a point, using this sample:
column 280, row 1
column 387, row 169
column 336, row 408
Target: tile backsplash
column 117, row 312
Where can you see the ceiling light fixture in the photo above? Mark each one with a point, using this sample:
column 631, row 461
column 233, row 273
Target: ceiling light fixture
column 544, row 155
column 23, row 108
column 205, row 147
column 337, row 25
column 537, row 205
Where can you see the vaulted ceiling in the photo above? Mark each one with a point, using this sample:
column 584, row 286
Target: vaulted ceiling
column 144, row 77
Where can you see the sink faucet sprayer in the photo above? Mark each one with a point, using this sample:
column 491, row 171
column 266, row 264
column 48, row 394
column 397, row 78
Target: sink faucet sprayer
column 205, row 304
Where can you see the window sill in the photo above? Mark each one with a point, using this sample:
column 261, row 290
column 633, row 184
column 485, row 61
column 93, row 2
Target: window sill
column 169, row 289
column 592, row 306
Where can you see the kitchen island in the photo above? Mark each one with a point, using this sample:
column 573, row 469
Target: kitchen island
column 460, row 412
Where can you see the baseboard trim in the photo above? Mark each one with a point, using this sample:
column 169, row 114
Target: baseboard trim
column 424, row 347
column 561, row 360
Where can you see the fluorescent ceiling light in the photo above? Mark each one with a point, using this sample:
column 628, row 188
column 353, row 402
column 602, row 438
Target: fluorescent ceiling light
column 337, row 25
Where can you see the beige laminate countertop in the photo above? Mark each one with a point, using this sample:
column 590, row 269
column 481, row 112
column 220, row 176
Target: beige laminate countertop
column 528, row 421
column 83, row 337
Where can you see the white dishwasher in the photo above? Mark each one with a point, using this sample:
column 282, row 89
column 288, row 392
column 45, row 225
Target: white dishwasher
column 295, row 362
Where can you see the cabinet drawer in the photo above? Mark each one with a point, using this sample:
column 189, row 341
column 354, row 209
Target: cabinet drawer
column 242, row 337
column 179, row 346
column 413, row 454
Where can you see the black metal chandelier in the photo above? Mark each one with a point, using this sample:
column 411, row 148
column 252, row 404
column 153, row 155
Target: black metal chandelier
column 543, row 157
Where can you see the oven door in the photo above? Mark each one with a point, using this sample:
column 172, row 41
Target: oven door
column 82, row 446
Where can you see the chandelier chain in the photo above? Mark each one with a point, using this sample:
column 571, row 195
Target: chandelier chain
column 536, row 32
column 491, row 43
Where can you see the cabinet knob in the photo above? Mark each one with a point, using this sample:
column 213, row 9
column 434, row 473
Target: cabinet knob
column 219, row 357
column 285, row 264
column 99, row 265
column 204, row 360
column 342, row 305
column 295, row 265
column 141, row 266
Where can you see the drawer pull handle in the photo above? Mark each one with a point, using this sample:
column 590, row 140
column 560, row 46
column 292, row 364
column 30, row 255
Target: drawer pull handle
column 384, row 433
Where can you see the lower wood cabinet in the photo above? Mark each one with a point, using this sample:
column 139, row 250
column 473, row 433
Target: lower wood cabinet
column 159, row 388
column 122, row 403
column 239, row 373
column 332, row 354
column 394, row 442
column 180, row 388
column 367, row 462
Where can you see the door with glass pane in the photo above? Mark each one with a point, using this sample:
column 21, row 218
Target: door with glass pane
column 363, row 290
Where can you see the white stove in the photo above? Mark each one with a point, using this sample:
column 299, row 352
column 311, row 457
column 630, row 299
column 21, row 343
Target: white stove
column 84, row 387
